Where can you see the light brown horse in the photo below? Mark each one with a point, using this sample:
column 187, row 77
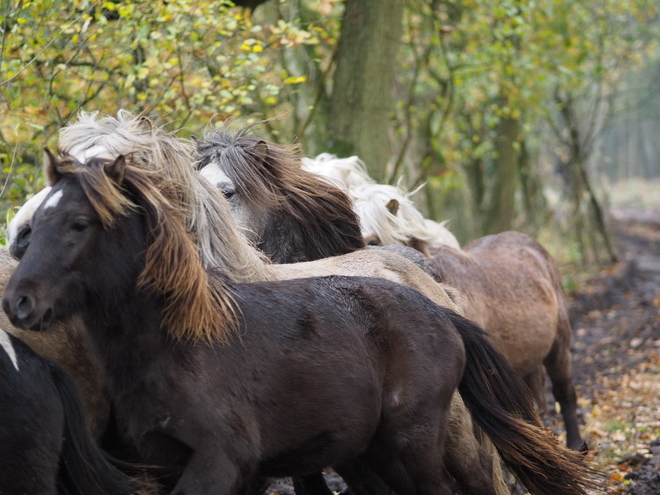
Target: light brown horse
column 512, row 287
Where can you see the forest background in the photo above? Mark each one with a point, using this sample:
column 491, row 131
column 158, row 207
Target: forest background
column 516, row 114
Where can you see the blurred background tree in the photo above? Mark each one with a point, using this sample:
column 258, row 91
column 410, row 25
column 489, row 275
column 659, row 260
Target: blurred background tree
column 513, row 113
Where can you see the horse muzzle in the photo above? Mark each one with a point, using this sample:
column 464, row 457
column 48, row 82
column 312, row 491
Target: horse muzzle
column 24, row 311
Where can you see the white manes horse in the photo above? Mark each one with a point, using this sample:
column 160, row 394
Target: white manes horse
column 346, row 173
column 399, row 221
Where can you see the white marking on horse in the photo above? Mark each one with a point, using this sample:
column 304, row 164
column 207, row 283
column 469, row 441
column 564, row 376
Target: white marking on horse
column 53, row 200
column 216, row 176
column 85, row 154
column 5, row 343
column 24, row 215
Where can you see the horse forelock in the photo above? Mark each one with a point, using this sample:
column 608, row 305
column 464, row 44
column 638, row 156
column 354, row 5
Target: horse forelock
column 196, row 308
column 240, row 157
column 275, row 184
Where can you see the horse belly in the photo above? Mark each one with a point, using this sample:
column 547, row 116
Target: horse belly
column 320, row 419
column 525, row 338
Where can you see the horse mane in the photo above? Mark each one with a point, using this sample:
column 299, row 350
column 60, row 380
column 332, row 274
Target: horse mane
column 198, row 306
column 268, row 176
column 346, row 173
column 403, row 225
column 150, row 148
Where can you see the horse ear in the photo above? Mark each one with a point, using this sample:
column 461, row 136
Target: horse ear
column 116, row 169
column 50, row 167
column 195, row 139
column 145, row 124
column 260, row 150
column 393, row 206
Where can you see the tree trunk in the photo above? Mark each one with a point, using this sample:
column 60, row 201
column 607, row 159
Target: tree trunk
column 362, row 98
column 499, row 216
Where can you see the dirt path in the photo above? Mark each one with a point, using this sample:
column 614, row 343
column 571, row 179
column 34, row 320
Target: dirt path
column 616, row 358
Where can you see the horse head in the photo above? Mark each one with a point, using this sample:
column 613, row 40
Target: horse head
column 290, row 214
column 108, row 231
column 238, row 165
column 51, row 282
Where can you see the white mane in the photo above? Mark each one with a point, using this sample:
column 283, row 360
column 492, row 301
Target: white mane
column 370, row 203
column 209, row 218
column 406, row 224
column 346, row 173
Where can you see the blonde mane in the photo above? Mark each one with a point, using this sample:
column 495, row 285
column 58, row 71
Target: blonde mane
column 150, row 148
column 346, row 173
column 197, row 307
column 402, row 225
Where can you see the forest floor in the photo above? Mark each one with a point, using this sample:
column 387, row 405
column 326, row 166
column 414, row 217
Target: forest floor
column 616, row 357
column 616, row 361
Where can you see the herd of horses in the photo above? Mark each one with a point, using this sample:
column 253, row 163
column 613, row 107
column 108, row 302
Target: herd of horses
column 224, row 322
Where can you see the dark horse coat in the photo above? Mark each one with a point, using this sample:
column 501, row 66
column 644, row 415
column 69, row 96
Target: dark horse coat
column 44, row 445
column 352, row 373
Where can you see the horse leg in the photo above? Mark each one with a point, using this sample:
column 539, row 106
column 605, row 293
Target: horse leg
column 216, row 473
column 475, row 469
column 558, row 364
column 313, row 484
column 536, row 383
column 360, row 479
column 408, row 456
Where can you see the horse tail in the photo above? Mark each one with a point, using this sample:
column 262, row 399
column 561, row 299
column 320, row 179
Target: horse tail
column 84, row 468
column 502, row 406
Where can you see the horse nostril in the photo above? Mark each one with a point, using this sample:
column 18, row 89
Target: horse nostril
column 24, row 307
column 48, row 316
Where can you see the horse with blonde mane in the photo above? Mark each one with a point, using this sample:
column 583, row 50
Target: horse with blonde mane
column 345, row 173
column 511, row 284
column 224, row 401
column 399, row 220
column 92, row 135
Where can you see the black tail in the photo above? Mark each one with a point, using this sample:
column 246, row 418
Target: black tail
column 84, row 469
column 502, row 406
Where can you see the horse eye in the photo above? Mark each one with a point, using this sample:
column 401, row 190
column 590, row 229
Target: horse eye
column 228, row 194
column 372, row 243
column 80, row 225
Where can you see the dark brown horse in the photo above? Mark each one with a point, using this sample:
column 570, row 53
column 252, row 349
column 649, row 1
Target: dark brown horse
column 227, row 382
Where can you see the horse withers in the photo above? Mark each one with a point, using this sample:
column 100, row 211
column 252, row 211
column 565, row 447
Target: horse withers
column 229, row 382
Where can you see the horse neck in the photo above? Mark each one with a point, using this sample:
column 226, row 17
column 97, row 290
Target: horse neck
column 132, row 339
column 309, row 229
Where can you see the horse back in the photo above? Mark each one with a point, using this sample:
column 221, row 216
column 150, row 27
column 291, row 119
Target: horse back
column 513, row 289
column 337, row 356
